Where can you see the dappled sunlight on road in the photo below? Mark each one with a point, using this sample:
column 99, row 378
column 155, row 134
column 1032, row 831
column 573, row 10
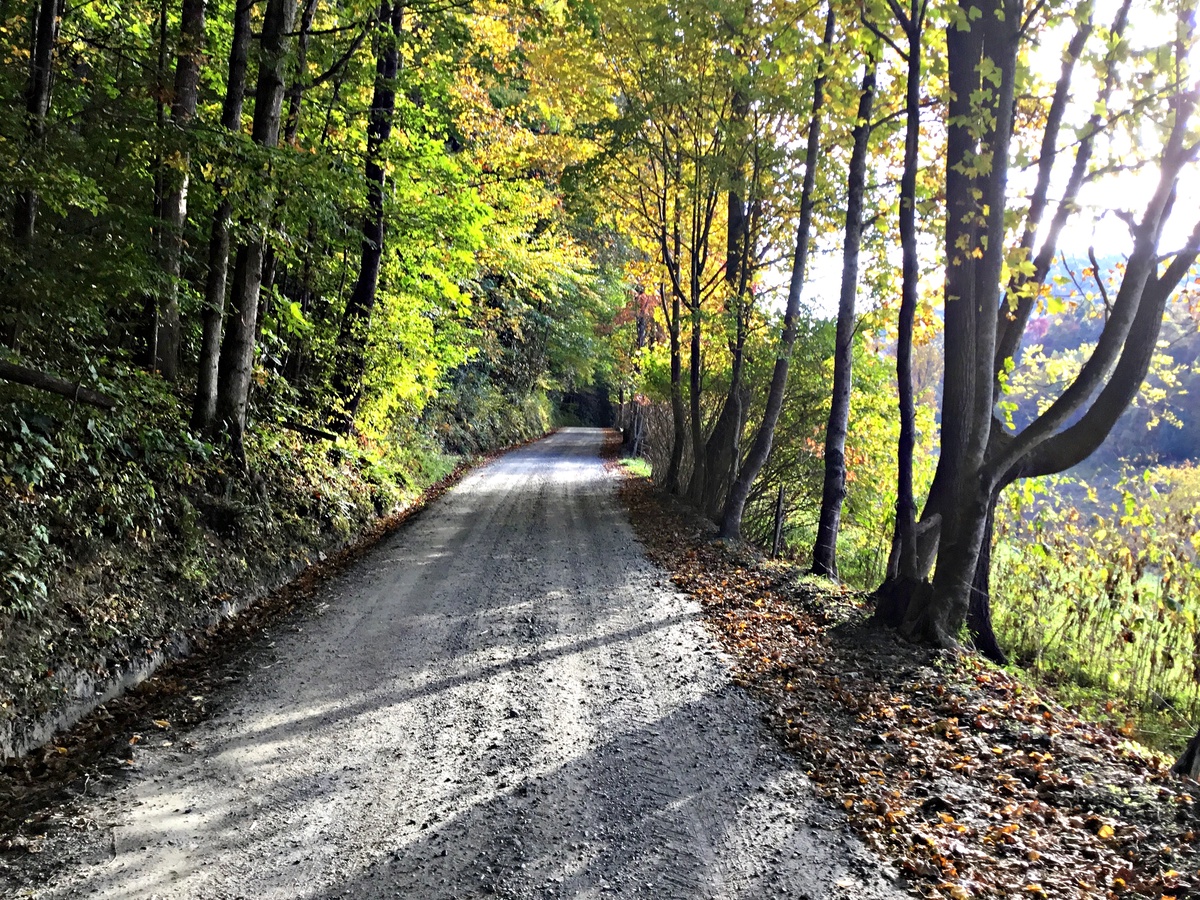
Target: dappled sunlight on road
column 505, row 698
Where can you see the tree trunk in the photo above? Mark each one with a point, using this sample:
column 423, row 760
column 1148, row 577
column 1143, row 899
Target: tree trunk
column 974, row 247
column 906, row 507
column 204, row 409
column 295, row 93
column 152, row 306
column 723, row 447
column 678, row 417
column 44, row 381
column 697, row 483
column 1188, row 764
column 44, row 41
column 834, row 489
column 979, row 609
column 237, row 352
column 295, row 362
column 760, row 449
column 978, row 458
column 174, row 213
column 356, row 320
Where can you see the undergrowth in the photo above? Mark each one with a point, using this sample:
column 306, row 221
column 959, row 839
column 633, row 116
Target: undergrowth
column 1100, row 596
column 120, row 529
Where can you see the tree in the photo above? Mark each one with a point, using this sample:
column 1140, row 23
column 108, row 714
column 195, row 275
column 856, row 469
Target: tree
column 165, row 354
column 760, row 447
column 834, row 485
column 357, row 316
column 237, row 351
column 37, row 104
column 978, row 457
column 903, row 564
column 212, row 317
column 672, row 70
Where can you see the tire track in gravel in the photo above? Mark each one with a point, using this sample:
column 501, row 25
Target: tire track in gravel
column 505, row 699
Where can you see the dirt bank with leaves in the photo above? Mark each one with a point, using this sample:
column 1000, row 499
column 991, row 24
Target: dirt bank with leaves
column 970, row 781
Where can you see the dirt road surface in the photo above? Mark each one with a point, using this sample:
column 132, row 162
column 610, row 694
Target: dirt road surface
column 504, row 699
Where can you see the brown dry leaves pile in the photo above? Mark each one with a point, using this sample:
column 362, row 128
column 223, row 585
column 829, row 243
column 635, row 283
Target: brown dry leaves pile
column 969, row 781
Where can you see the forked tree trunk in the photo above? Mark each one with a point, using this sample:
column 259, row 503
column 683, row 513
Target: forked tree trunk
column 237, row 351
column 975, row 204
column 978, row 457
column 1013, row 313
column 204, row 408
column 833, row 491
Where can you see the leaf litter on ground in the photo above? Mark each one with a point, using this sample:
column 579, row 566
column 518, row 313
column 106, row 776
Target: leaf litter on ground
column 971, row 782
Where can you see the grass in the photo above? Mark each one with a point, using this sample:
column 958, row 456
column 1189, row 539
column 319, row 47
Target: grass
column 639, row 468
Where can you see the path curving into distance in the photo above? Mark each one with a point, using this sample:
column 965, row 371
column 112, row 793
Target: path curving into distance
column 504, row 699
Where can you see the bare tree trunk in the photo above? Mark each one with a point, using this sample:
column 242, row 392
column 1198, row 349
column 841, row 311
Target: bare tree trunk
column 723, row 447
column 204, row 409
column 295, row 361
column 174, row 212
column 893, row 597
column 237, row 352
column 356, row 320
column 760, row 449
column 295, row 93
column 834, row 489
column 1013, row 313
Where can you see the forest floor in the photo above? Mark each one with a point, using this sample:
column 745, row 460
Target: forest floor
column 503, row 698
column 963, row 776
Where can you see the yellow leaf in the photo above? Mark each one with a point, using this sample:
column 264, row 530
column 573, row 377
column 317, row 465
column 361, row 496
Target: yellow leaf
column 162, row 723
column 1105, row 832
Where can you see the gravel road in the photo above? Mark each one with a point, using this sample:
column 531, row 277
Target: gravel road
column 503, row 699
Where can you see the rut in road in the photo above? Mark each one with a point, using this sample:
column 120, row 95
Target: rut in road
column 505, row 699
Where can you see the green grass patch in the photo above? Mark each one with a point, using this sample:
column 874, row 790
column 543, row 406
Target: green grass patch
column 637, row 467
